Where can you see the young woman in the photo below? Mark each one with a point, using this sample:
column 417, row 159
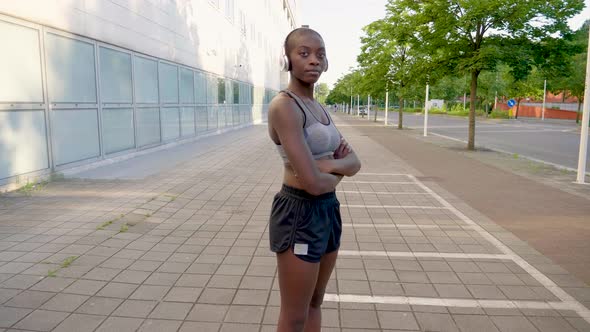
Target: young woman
column 305, row 224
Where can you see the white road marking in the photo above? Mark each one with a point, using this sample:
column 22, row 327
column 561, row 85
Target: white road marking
column 421, row 254
column 395, row 207
column 446, row 302
column 567, row 299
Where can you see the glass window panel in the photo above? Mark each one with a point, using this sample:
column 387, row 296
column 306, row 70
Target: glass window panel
column 148, row 126
column 115, row 76
column 220, row 91
column 168, row 83
column 188, row 121
column 213, row 114
column 200, row 88
column 70, row 70
column 202, row 119
column 117, row 128
column 146, row 80
column 187, row 90
column 20, row 64
column 212, row 90
column 23, row 142
column 75, row 135
column 170, row 123
column 236, row 91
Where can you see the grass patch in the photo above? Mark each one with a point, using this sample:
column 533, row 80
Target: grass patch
column 68, row 261
column 515, row 156
column 124, row 228
column 147, row 215
column 32, row 187
column 171, row 197
column 52, row 273
column 105, row 224
column 499, row 115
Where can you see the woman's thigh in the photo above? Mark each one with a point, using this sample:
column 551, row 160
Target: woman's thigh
column 297, row 282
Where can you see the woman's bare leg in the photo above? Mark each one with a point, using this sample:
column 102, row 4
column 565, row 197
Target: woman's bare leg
column 314, row 318
column 297, row 281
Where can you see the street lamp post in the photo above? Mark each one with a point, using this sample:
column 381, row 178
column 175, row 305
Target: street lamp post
column 544, row 99
column 426, row 110
column 585, row 118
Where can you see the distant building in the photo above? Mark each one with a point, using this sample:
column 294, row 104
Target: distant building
column 84, row 81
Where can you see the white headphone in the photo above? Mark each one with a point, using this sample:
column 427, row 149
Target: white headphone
column 284, row 59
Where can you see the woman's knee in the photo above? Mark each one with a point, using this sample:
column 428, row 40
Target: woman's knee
column 295, row 320
column 316, row 300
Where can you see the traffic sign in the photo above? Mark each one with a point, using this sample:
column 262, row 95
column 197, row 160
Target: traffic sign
column 511, row 103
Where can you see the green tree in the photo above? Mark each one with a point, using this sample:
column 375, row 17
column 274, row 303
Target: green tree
column 322, row 92
column 466, row 35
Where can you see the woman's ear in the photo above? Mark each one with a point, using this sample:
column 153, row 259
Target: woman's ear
column 326, row 66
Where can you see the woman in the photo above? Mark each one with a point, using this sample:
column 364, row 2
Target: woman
column 305, row 224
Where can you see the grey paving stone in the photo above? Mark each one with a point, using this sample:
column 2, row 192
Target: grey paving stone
column 85, row 287
column 207, row 312
column 551, row 324
column 79, row 323
column 29, row 299
column 132, row 277
column 217, row 296
column 224, row 281
column 20, row 281
column 55, row 284
column 486, row 292
column 99, row 306
column 397, row 320
column 162, row 279
column 119, row 290
column 9, row 316
column 158, row 325
column 183, row 294
column 513, row 324
column 150, row 292
column 474, row 323
column 251, row 296
column 7, row 294
column 199, row 326
column 244, row 314
column 120, row 324
column 135, row 308
column 193, row 280
column 365, row 319
column 171, row 310
column 239, row 327
column 65, row 302
column 41, row 320
column 452, row 291
column 436, row 322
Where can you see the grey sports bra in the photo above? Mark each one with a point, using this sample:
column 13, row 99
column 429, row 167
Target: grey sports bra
column 322, row 139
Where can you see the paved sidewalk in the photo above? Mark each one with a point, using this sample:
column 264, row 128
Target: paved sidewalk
column 186, row 249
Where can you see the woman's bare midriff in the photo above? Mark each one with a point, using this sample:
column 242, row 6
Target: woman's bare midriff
column 290, row 179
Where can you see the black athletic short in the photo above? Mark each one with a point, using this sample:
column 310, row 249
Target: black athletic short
column 309, row 225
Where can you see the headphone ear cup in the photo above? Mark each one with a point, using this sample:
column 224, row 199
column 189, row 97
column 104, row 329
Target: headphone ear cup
column 326, row 69
column 284, row 63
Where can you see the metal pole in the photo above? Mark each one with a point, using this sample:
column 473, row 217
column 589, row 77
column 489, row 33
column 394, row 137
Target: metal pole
column 585, row 118
column 386, row 103
column 351, row 102
column 544, row 100
column 426, row 111
column 496, row 101
column 369, row 108
column 358, row 105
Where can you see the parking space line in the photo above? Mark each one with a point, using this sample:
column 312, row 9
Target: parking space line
column 395, row 207
column 421, row 254
column 379, row 192
column 572, row 303
column 449, row 302
column 405, row 226
column 379, row 182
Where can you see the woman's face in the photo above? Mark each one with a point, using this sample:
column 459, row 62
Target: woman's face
column 307, row 56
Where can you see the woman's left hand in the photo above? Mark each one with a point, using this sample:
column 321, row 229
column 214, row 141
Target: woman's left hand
column 343, row 150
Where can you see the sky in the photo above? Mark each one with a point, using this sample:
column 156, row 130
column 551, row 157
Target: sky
column 340, row 23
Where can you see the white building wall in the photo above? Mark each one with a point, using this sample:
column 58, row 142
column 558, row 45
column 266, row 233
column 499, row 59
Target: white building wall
column 196, row 33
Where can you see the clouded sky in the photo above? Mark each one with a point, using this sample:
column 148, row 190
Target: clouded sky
column 340, row 22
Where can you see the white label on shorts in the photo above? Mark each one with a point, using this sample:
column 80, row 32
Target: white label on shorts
column 300, row 249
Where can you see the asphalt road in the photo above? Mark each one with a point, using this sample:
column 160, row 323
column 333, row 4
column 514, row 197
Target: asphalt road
column 552, row 141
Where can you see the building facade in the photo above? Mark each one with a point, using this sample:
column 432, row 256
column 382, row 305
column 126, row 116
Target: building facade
column 86, row 81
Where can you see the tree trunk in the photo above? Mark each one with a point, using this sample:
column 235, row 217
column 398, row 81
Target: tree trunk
column 471, row 142
column 401, row 113
column 517, row 108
